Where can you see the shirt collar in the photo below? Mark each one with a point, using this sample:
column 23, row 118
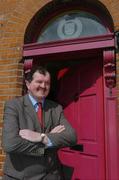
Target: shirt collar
column 33, row 100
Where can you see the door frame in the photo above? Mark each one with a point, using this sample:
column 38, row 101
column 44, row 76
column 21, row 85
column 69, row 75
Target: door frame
column 104, row 44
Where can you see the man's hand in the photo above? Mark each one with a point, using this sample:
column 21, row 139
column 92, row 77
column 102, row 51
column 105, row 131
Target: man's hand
column 31, row 135
column 58, row 129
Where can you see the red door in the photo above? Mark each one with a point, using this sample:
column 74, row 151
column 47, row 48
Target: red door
column 81, row 94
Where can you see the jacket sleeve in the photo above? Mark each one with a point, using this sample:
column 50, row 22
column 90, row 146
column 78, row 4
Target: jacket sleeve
column 11, row 141
column 67, row 137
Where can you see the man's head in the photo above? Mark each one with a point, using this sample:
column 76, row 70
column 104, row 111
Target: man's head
column 38, row 82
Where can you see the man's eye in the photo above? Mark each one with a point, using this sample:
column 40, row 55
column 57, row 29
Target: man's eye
column 39, row 82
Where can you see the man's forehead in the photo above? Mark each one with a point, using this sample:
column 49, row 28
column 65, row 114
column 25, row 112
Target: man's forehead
column 41, row 75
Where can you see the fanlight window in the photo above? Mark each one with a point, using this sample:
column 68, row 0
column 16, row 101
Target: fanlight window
column 71, row 25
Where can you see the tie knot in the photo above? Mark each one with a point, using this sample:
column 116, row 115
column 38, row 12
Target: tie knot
column 39, row 104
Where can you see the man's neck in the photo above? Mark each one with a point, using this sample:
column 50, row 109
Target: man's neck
column 41, row 100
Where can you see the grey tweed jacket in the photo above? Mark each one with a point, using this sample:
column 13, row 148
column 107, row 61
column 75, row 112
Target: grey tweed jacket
column 27, row 160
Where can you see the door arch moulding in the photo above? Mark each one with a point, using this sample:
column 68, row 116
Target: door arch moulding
column 54, row 8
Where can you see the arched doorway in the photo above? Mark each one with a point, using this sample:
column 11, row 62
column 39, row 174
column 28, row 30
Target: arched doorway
column 77, row 46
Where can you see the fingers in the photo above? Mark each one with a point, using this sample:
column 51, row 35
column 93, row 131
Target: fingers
column 22, row 132
column 58, row 129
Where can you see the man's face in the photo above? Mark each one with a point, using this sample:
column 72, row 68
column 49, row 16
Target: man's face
column 39, row 87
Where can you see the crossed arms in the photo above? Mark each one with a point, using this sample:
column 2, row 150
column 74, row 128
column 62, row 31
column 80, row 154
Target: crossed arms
column 18, row 138
column 39, row 137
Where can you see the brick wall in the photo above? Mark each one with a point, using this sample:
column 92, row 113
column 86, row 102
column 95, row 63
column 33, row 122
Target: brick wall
column 14, row 18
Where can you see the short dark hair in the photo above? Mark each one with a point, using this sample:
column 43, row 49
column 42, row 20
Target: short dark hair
column 40, row 69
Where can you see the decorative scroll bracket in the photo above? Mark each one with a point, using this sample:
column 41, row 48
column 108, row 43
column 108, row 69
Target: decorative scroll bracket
column 109, row 68
column 28, row 63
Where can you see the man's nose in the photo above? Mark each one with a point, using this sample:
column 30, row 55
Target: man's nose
column 43, row 85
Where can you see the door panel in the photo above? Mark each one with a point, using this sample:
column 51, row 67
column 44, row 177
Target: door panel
column 80, row 93
column 87, row 118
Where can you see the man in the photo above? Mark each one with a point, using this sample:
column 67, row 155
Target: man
column 31, row 145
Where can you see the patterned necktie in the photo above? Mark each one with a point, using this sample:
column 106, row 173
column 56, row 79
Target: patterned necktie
column 39, row 113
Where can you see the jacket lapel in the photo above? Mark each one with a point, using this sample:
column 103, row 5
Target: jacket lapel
column 47, row 117
column 30, row 114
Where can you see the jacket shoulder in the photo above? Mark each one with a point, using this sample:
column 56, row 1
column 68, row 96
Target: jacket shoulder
column 15, row 101
column 52, row 104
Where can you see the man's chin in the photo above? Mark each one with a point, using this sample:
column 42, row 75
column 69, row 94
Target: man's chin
column 41, row 97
